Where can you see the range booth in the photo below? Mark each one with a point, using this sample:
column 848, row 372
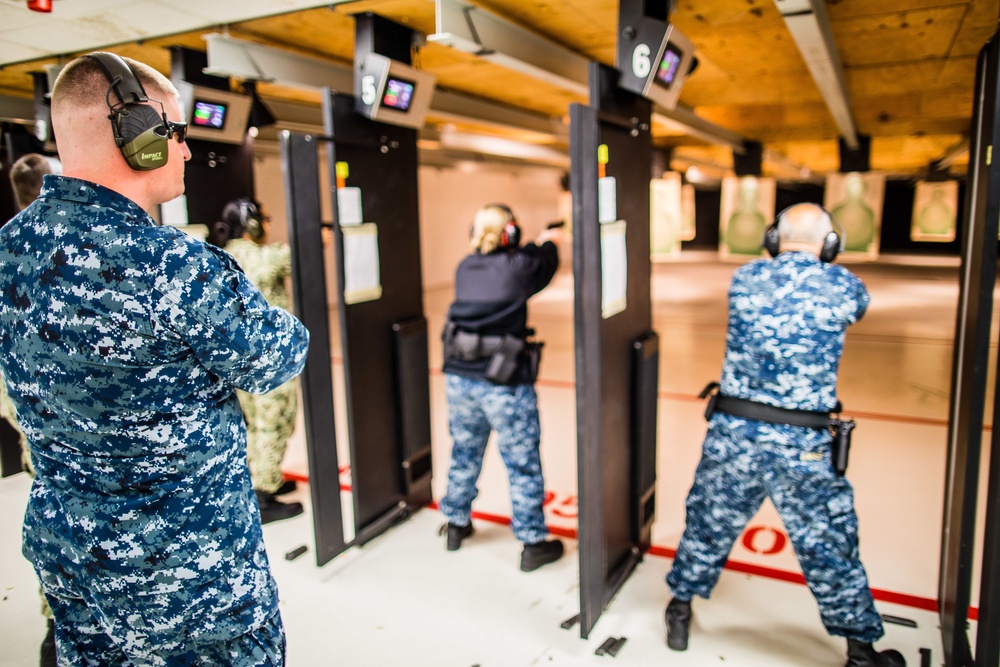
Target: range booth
column 370, row 146
column 373, row 174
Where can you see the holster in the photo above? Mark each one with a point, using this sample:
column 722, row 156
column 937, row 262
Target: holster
column 840, row 446
column 503, row 362
column 505, row 352
column 459, row 344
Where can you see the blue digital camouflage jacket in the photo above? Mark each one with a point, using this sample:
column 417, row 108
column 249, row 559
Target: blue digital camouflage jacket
column 788, row 317
column 122, row 342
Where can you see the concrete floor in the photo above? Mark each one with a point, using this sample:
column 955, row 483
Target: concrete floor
column 402, row 599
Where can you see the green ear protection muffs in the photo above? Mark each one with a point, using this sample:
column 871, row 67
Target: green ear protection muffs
column 141, row 132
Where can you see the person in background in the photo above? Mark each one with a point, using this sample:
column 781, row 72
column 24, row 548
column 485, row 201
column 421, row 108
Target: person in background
column 122, row 343
column 26, row 178
column 270, row 417
column 490, row 376
column 770, row 434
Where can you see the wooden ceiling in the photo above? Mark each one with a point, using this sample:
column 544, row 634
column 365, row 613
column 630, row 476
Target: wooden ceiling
column 909, row 67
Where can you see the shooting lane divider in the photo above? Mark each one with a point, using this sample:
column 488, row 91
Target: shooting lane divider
column 892, row 597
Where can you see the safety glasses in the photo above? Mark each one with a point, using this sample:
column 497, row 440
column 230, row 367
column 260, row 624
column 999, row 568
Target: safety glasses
column 178, row 130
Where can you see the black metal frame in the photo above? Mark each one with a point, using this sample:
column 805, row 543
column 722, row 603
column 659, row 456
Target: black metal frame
column 968, row 390
column 611, row 432
column 383, row 340
column 302, row 199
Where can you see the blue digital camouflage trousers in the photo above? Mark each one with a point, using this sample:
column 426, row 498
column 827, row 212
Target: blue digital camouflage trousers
column 81, row 642
column 92, row 633
column 742, row 462
column 476, row 407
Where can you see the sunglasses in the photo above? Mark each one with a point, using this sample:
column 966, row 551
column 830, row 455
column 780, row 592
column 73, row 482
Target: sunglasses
column 177, row 129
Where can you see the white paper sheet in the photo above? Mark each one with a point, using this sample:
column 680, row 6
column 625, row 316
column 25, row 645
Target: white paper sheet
column 614, row 269
column 362, row 278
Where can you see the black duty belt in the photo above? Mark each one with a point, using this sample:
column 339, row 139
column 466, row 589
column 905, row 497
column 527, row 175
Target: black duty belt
column 740, row 407
column 470, row 346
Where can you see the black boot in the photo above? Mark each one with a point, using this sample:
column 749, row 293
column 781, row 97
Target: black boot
column 678, row 621
column 533, row 556
column 272, row 509
column 456, row 534
column 863, row 654
column 287, row 486
column 47, row 656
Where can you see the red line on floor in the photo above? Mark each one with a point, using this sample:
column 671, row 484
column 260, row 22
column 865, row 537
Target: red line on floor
column 882, row 595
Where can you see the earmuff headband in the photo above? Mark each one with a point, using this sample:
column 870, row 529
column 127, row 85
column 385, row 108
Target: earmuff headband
column 510, row 234
column 833, row 243
column 125, row 84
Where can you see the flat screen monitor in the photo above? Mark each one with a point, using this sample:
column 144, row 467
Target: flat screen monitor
column 398, row 93
column 211, row 115
column 669, row 66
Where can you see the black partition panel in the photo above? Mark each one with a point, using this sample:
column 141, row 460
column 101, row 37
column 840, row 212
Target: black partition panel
column 610, row 140
column 302, row 198
column 411, row 364
column 383, row 333
column 969, row 374
column 645, row 386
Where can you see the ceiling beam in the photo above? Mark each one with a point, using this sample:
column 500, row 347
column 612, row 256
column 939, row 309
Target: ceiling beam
column 228, row 56
column 464, row 27
column 809, row 24
column 238, row 58
column 683, row 119
column 458, row 107
column 17, row 110
column 953, row 154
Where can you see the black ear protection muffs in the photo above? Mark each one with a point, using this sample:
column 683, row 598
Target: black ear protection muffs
column 141, row 132
column 239, row 216
column 833, row 243
column 251, row 219
column 510, row 236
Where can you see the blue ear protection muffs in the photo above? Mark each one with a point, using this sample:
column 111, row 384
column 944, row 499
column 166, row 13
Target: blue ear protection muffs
column 833, row 243
column 510, row 236
column 141, row 132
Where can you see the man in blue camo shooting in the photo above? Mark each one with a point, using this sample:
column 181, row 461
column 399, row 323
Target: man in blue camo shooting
column 122, row 344
column 490, row 378
column 771, row 430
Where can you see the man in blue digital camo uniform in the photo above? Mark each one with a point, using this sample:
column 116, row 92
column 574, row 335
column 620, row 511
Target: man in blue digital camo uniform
column 122, row 343
column 490, row 380
column 787, row 321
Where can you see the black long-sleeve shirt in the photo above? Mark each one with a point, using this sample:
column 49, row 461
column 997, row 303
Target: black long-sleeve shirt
column 491, row 297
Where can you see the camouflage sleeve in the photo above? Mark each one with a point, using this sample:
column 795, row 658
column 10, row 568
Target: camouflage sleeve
column 281, row 257
column 863, row 300
column 208, row 300
column 853, row 290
